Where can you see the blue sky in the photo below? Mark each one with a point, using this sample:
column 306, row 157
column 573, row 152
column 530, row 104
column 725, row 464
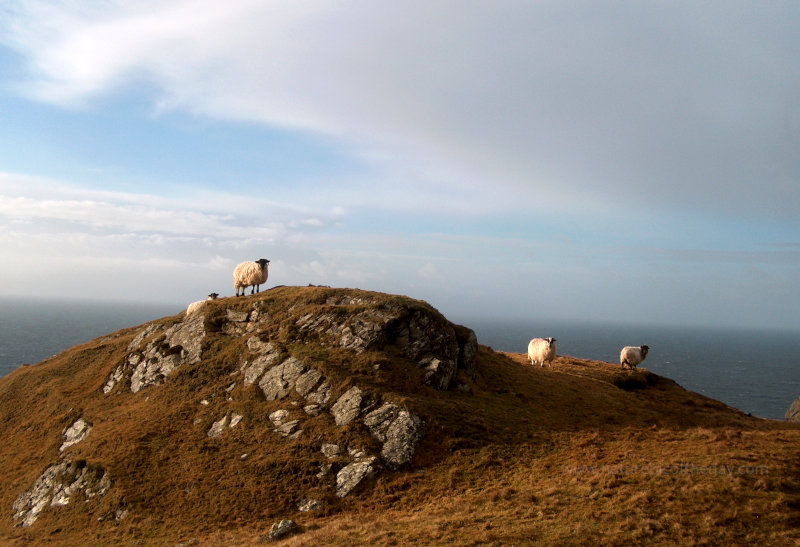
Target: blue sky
column 603, row 161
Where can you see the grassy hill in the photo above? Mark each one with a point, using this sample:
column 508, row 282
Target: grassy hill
column 578, row 453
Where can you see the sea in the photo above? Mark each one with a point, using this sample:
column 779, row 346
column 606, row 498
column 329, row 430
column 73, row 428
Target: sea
column 756, row 371
column 32, row 330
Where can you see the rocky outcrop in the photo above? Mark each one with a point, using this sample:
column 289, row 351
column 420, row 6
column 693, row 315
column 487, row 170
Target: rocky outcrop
column 316, row 365
column 357, row 322
column 793, row 414
column 421, row 335
column 58, row 485
column 151, row 363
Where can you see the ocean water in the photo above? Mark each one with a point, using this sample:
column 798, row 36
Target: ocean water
column 33, row 330
column 755, row 371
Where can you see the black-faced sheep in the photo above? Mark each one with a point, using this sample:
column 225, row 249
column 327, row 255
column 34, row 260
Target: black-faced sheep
column 194, row 306
column 249, row 274
column 632, row 355
column 541, row 350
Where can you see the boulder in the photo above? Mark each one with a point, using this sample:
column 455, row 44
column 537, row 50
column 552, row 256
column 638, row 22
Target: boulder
column 347, row 408
column 351, row 475
column 398, row 430
column 282, row 529
column 401, row 439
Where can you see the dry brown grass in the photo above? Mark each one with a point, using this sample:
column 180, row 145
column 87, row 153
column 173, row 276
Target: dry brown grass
column 580, row 453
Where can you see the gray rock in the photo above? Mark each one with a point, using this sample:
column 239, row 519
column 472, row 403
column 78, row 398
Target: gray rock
column 57, row 485
column 255, row 345
column 116, row 376
column 235, row 419
column 144, row 333
column 330, row 450
column 218, row 427
column 287, row 429
column 278, row 381
column 307, row 382
column 154, row 370
column 438, row 373
column 261, row 363
column 793, row 414
column 347, row 407
column 284, row 427
column 352, row 475
column 420, row 335
column 401, row 439
column 312, row 410
column 282, row 529
column 321, row 396
column 398, row 430
column 189, row 335
column 356, row 453
column 308, row 504
column 278, row 417
column 152, row 364
column 75, row 433
column 378, row 421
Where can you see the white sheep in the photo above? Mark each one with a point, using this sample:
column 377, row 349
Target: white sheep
column 250, row 274
column 632, row 355
column 194, row 306
column 541, row 350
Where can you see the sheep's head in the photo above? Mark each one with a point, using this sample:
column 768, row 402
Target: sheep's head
column 213, row 296
column 262, row 262
column 644, row 349
column 550, row 342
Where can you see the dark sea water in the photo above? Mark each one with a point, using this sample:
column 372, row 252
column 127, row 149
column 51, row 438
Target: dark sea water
column 755, row 371
column 33, row 330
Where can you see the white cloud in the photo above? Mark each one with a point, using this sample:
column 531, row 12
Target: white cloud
column 661, row 106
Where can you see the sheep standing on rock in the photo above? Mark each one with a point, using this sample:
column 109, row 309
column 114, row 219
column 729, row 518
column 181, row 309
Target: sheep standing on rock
column 194, row 306
column 541, row 350
column 632, row 355
column 249, row 274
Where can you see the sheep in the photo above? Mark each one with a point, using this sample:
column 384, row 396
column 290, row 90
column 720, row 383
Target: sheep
column 541, row 350
column 632, row 355
column 194, row 306
column 250, row 274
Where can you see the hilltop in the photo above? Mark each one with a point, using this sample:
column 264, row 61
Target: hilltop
column 370, row 418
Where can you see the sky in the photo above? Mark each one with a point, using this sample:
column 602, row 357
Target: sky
column 634, row 162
